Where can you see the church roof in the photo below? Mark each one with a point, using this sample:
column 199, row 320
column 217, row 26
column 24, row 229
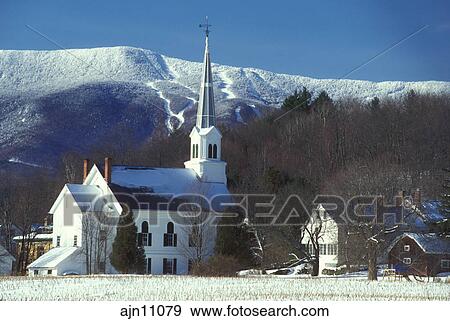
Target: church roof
column 206, row 114
column 158, row 185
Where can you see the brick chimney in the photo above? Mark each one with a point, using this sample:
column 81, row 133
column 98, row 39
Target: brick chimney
column 417, row 197
column 108, row 164
column 86, row 168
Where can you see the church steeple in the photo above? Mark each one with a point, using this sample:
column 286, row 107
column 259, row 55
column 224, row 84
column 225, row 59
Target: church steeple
column 206, row 113
column 205, row 137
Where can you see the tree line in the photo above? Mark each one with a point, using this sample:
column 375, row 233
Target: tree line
column 311, row 145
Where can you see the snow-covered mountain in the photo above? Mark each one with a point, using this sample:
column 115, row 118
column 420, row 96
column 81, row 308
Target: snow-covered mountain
column 54, row 101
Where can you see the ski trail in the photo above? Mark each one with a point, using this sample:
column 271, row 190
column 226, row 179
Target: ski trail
column 226, row 85
column 169, row 111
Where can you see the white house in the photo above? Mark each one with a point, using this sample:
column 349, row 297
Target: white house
column 329, row 237
column 81, row 245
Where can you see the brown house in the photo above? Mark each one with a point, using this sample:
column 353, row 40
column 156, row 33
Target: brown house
column 420, row 254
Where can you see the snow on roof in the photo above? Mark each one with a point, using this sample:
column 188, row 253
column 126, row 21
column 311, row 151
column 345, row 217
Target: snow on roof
column 429, row 242
column 86, row 196
column 35, row 237
column 53, row 257
column 432, row 210
column 165, row 180
column 162, row 183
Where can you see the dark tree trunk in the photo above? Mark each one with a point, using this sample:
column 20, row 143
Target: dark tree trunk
column 372, row 261
column 315, row 270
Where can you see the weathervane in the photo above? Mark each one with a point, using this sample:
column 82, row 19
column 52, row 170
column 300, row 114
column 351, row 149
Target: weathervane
column 205, row 26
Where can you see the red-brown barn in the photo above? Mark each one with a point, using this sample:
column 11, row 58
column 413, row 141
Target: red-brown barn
column 420, row 254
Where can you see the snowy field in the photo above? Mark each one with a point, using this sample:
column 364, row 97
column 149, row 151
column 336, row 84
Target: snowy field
column 193, row 288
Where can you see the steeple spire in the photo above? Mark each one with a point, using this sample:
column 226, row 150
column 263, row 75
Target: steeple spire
column 206, row 113
column 206, row 139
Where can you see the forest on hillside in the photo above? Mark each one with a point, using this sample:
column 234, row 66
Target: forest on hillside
column 307, row 147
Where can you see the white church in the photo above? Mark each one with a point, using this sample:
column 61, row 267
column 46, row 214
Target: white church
column 85, row 215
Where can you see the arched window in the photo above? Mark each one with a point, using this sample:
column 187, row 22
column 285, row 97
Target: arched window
column 144, row 227
column 144, row 238
column 210, row 151
column 196, row 150
column 170, row 238
column 215, row 151
column 193, row 150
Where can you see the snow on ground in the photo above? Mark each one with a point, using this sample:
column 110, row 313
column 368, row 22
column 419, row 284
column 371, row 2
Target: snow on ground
column 196, row 288
column 16, row 160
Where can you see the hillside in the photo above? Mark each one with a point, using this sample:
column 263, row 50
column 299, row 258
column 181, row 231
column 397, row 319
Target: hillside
column 54, row 101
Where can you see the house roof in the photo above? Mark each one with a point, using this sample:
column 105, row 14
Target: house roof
column 53, row 257
column 421, row 217
column 34, row 237
column 159, row 185
column 431, row 243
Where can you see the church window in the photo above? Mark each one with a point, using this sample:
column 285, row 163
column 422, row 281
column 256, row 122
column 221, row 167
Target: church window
column 196, row 150
column 144, row 238
column 170, row 238
column 170, row 227
column 215, row 151
column 193, row 150
column 75, row 240
column 169, row 266
column 210, row 151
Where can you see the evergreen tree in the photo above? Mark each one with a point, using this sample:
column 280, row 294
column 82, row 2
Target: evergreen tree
column 141, row 264
column 274, row 179
column 323, row 105
column 126, row 256
column 299, row 100
column 233, row 239
column 374, row 104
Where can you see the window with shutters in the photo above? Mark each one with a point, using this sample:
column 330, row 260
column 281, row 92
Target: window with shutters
column 332, row 249
column 322, row 249
column 144, row 238
column 170, row 237
column 169, row 266
column 149, row 266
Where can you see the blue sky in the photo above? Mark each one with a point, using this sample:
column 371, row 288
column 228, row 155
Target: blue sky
column 317, row 38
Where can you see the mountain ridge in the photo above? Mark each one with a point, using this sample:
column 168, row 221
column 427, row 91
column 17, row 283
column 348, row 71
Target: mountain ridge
column 50, row 99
